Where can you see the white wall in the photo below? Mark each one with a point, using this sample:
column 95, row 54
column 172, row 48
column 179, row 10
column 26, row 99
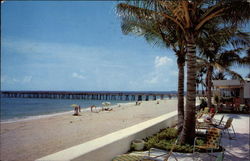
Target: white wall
column 107, row 147
column 247, row 90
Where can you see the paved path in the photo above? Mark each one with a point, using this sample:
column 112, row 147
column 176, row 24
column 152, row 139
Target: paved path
column 237, row 149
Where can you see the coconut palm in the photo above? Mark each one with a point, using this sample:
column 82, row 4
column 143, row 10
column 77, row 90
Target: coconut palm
column 159, row 35
column 191, row 17
column 211, row 48
column 248, row 75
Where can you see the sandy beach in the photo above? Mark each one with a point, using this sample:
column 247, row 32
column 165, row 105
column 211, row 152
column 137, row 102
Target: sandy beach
column 32, row 139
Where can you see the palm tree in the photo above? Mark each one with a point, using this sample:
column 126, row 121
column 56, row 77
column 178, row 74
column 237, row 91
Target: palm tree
column 248, row 75
column 158, row 34
column 211, row 48
column 219, row 75
column 191, row 17
column 201, row 71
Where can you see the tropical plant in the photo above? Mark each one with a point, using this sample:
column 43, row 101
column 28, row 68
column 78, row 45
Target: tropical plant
column 214, row 56
column 248, row 75
column 219, row 75
column 157, row 34
column 191, row 17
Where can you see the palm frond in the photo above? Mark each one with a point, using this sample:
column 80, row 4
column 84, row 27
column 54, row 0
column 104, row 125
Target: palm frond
column 234, row 74
column 236, row 11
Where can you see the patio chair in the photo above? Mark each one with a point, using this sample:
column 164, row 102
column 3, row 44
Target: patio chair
column 226, row 126
column 220, row 157
column 206, row 110
column 168, row 154
column 205, row 121
column 212, row 142
column 202, row 127
column 217, row 123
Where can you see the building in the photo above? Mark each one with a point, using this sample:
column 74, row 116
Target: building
column 229, row 89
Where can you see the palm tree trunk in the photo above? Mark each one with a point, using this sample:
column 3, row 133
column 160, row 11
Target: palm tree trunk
column 180, row 95
column 188, row 131
column 209, row 86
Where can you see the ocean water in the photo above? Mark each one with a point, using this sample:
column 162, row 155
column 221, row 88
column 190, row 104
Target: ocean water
column 14, row 109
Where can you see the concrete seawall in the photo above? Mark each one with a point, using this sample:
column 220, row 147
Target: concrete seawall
column 108, row 146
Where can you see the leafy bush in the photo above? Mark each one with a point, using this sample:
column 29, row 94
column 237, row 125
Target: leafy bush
column 166, row 138
column 168, row 133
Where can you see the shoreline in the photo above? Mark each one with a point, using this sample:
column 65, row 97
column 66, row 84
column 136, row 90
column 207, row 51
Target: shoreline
column 35, row 117
column 32, row 139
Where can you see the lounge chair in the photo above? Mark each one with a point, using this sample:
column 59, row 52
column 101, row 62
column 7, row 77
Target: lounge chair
column 226, row 126
column 217, row 123
column 212, row 141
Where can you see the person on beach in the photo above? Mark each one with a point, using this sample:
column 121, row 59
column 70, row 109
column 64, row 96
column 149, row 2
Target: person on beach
column 91, row 107
column 76, row 111
column 137, row 103
column 107, row 109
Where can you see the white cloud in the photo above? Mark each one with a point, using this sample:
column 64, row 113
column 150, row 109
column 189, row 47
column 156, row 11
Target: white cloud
column 27, row 79
column 162, row 61
column 63, row 53
column 76, row 75
column 163, row 68
column 7, row 79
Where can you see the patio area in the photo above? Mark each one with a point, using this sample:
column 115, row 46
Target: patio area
column 235, row 149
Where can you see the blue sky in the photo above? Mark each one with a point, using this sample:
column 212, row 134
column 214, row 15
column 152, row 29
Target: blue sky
column 78, row 46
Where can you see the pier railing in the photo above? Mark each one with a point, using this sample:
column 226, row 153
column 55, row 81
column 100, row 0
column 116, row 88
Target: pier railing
column 126, row 96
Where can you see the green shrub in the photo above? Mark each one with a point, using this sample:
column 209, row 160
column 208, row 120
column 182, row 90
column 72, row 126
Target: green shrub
column 186, row 148
column 165, row 140
column 168, row 133
column 151, row 142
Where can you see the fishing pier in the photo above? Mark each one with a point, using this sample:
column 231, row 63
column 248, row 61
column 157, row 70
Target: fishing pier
column 88, row 95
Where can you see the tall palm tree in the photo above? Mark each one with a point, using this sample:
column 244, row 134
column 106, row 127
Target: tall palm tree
column 191, row 17
column 168, row 37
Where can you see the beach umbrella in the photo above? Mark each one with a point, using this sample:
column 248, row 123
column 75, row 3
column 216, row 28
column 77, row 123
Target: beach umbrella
column 106, row 103
column 74, row 105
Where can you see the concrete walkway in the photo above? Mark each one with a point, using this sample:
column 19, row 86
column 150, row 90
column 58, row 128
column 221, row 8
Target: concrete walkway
column 237, row 149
